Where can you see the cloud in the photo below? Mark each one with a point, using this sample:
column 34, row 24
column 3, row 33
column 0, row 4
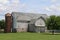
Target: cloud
column 53, row 9
column 4, row 1
column 46, row 7
column 13, row 5
column 53, row 0
column 8, row 6
column 15, row 1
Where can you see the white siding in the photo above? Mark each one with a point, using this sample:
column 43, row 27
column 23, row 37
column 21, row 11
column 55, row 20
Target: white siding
column 40, row 22
column 21, row 27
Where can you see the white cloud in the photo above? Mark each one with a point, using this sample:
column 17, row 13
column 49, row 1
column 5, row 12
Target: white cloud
column 48, row 9
column 53, row 9
column 7, row 6
column 15, row 5
column 4, row 1
column 53, row 1
column 15, row 1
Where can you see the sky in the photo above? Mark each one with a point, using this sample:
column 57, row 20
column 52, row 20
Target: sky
column 49, row 7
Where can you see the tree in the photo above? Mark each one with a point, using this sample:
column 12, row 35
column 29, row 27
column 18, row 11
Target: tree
column 58, row 22
column 2, row 24
column 51, row 23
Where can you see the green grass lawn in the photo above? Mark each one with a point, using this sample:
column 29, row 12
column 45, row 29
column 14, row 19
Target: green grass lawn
column 28, row 36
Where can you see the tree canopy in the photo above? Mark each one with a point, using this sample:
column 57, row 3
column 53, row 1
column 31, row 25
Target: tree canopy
column 53, row 23
column 2, row 24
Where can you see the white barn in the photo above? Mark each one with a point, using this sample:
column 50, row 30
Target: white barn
column 28, row 22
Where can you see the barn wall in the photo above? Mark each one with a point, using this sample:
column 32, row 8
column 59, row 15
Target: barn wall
column 40, row 25
column 32, row 28
column 40, row 22
column 14, row 25
column 22, row 27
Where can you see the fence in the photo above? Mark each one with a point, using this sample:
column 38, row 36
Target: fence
column 56, row 31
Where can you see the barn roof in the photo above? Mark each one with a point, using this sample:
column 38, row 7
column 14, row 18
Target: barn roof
column 27, row 16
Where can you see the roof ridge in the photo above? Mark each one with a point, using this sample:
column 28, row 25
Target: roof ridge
column 29, row 13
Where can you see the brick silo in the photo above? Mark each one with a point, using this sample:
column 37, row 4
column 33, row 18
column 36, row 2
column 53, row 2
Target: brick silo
column 8, row 22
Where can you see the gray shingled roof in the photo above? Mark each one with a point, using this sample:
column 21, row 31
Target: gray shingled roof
column 28, row 16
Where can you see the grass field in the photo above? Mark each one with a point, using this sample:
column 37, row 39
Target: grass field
column 28, row 36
